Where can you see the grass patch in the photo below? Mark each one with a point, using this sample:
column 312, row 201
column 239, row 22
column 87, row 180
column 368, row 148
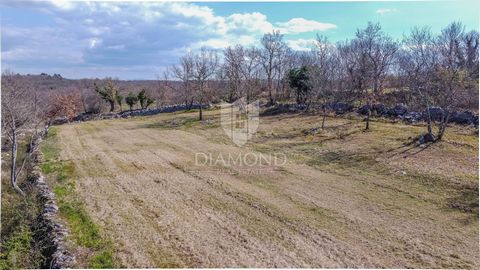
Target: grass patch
column 83, row 231
column 19, row 247
column 184, row 122
column 19, row 251
column 174, row 123
column 103, row 259
column 343, row 159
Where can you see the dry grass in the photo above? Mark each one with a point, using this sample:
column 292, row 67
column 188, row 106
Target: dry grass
column 346, row 198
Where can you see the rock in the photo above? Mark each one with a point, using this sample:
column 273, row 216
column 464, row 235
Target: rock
column 379, row 109
column 436, row 113
column 55, row 236
column 82, row 117
column 341, row 107
column 60, row 121
column 276, row 109
column 300, row 107
column 363, row 109
column 398, row 110
column 464, row 118
column 412, row 117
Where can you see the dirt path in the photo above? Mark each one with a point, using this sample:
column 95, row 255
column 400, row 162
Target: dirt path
column 142, row 186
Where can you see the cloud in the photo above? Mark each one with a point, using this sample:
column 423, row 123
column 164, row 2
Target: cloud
column 41, row 45
column 90, row 35
column 301, row 25
column 383, row 11
column 248, row 23
column 63, row 4
column 301, row 44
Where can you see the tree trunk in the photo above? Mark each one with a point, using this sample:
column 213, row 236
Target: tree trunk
column 200, row 116
column 84, row 105
column 443, row 125
column 190, row 105
column 429, row 122
column 112, row 106
column 375, row 86
column 13, row 168
column 367, row 120
column 429, row 116
column 324, row 116
column 269, row 85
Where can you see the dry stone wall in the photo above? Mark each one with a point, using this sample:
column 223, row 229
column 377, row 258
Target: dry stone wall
column 51, row 231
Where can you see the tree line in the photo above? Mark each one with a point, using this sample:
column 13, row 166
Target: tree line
column 422, row 69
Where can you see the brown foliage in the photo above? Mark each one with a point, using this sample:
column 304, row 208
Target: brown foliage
column 64, row 105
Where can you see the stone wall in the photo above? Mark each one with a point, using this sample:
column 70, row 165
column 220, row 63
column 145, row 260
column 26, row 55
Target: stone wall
column 127, row 114
column 49, row 230
column 398, row 111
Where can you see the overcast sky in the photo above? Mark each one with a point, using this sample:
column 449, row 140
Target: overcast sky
column 137, row 40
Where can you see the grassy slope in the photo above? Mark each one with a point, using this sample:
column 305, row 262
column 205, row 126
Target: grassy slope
column 443, row 175
column 440, row 181
column 386, row 151
column 92, row 250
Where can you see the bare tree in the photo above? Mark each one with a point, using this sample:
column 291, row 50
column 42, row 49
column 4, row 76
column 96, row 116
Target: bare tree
column 451, row 78
column 89, row 100
column 367, row 60
column 380, row 50
column 205, row 65
column 469, row 56
column 160, row 94
column 271, row 56
column 82, row 89
column 417, row 61
column 183, row 73
column 323, row 72
column 18, row 116
column 286, row 62
column 234, row 61
column 439, row 69
column 251, row 72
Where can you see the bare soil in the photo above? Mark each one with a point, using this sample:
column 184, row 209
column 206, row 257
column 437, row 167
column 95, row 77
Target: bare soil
column 345, row 198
